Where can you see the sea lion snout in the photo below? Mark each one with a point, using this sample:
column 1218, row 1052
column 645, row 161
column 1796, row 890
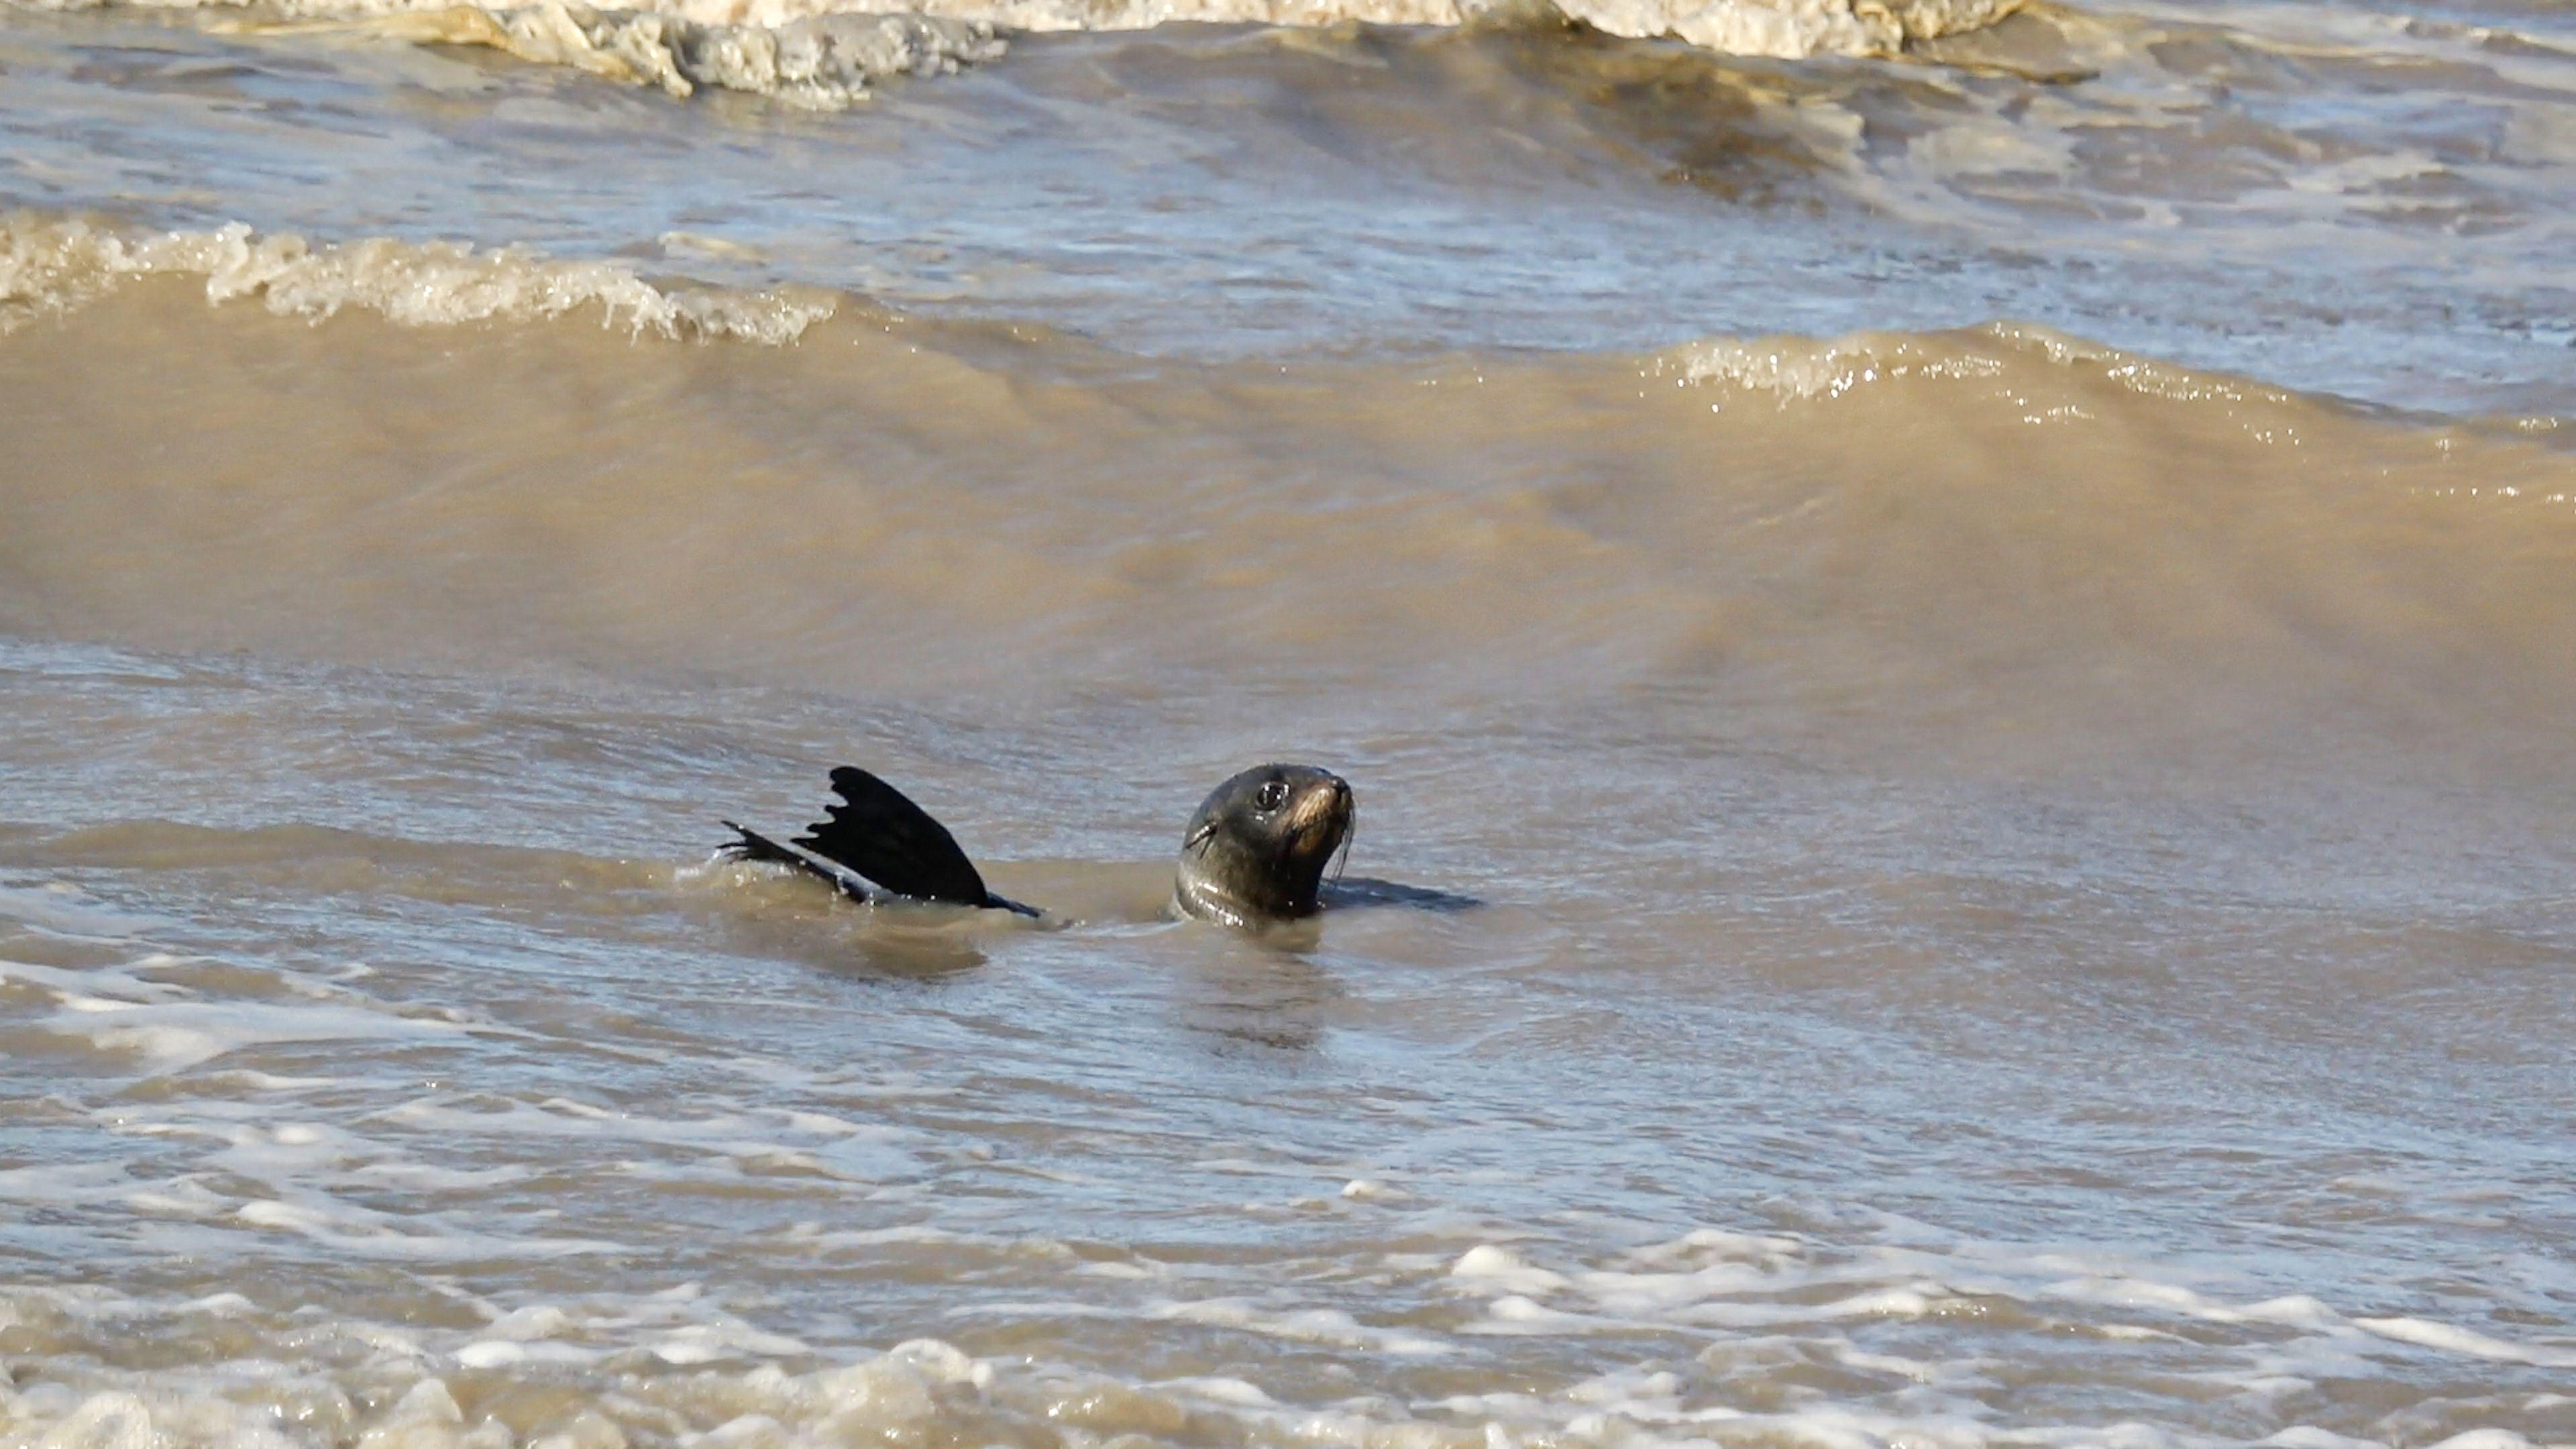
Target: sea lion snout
column 1325, row 805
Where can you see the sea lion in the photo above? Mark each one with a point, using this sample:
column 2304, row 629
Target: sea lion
column 1254, row 853
column 1256, row 850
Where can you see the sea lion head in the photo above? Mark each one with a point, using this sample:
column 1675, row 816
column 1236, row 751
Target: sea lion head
column 1257, row 848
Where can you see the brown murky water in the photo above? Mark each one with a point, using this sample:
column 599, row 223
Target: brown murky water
column 1990, row 888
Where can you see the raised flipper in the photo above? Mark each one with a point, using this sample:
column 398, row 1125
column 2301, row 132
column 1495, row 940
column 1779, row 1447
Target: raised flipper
column 755, row 846
column 877, row 844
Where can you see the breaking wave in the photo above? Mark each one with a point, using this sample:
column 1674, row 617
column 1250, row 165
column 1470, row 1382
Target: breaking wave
column 823, row 61
column 1801, row 368
column 826, row 53
column 54, row 267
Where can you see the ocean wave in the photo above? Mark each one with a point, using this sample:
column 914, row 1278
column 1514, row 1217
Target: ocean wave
column 2183, row 528
column 822, row 61
column 686, row 1370
column 48, row 268
column 1801, row 369
column 826, row 53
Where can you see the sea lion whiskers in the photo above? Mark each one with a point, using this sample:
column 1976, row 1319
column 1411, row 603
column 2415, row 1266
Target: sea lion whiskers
column 1258, row 846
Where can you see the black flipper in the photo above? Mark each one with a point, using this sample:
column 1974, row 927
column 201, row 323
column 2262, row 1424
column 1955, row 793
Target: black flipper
column 755, row 846
column 885, row 837
column 882, row 837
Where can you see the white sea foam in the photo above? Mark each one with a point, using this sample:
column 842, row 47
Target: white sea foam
column 1499, row 1269
column 363, row 1233
column 710, row 1377
column 49, row 268
column 1310, row 1325
column 827, row 54
column 1513, row 1314
column 1799, row 369
column 737, row 1139
column 164, row 1026
column 824, row 60
column 674, row 43
column 59, row 910
column 174, row 1036
column 2451, row 1339
column 101, row 987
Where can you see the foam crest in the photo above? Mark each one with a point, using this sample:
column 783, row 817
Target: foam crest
column 59, row 910
column 824, row 61
column 173, row 1037
column 346, row 1228
column 1797, row 369
column 159, row 1027
column 1304, row 1325
column 1788, row 29
column 1784, row 1299
column 2451, row 1339
column 1504, row 1269
column 108, row 988
column 729, row 1142
column 825, row 52
column 676, row 1366
column 50, row 268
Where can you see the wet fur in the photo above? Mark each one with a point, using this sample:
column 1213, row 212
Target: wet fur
column 1242, row 863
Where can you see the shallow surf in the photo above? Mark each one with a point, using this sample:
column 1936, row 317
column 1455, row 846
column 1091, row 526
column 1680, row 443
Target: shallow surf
column 1989, row 626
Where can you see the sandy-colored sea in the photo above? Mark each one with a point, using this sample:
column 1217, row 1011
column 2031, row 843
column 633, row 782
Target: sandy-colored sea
column 1963, row 616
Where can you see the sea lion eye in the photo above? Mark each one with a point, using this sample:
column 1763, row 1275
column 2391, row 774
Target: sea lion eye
column 1273, row 795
